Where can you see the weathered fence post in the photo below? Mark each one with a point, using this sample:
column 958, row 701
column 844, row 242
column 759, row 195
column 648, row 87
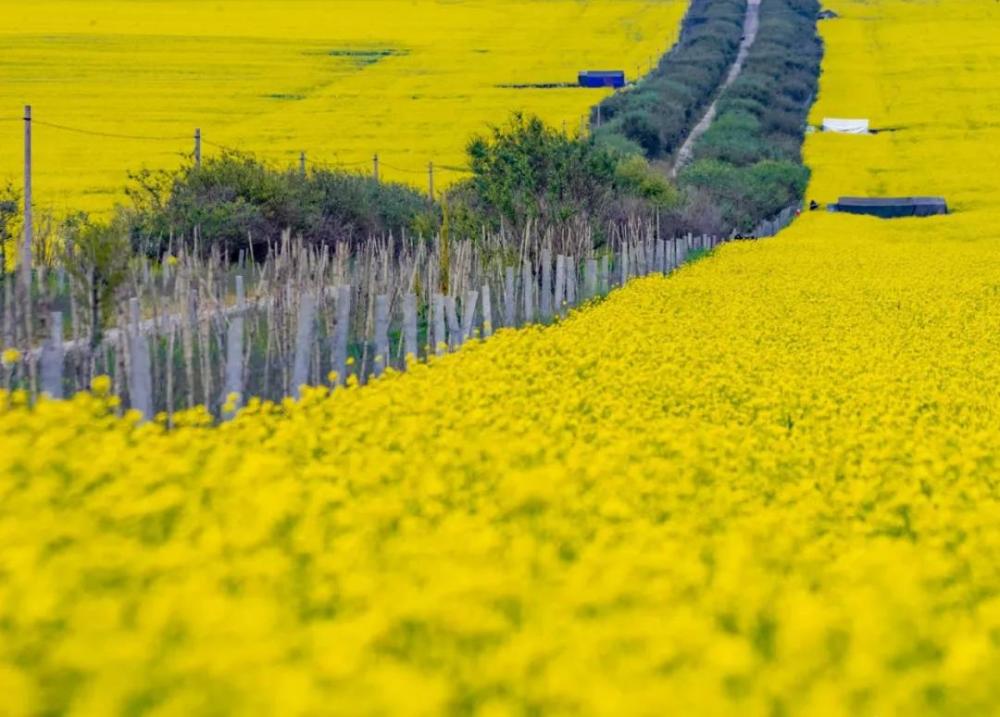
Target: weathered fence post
column 509, row 308
column 527, row 282
column 141, row 382
column 381, row 334
column 487, row 312
column 440, row 340
column 546, row 291
column 590, row 279
column 233, row 385
column 623, row 269
column 602, row 275
column 341, row 334
column 570, row 281
column 660, row 257
column 454, row 328
column 409, row 327
column 303, row 343
column 52, row 358
column 560, row 288
column 469, row 314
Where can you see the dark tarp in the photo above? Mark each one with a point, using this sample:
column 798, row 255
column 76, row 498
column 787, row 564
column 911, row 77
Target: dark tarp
column 892, row 207
column 602, row 78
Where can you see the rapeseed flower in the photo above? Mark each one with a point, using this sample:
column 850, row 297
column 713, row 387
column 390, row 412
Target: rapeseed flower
column 763, row 485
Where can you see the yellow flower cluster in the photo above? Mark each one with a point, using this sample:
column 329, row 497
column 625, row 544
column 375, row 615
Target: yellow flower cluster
column 765, row 485
column 409, row 79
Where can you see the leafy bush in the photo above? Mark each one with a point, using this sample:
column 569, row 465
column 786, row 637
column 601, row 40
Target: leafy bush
column 234, row 201
column 526, row 173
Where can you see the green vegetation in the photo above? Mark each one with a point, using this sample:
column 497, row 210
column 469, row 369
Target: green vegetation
column 748, row 165
column 528, row 174
column 653, row 118
column 234, row 202
column 527, row 177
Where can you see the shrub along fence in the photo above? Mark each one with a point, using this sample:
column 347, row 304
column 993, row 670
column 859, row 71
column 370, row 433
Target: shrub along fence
column 195, row 332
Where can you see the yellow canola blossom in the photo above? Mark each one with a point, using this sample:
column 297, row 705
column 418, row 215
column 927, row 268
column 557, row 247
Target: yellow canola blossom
column 764, row 485
column 411, row 80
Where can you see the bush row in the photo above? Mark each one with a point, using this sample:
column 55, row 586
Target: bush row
column 748, row 165
column 655, row 116
column 234, row 201
column 524, row 175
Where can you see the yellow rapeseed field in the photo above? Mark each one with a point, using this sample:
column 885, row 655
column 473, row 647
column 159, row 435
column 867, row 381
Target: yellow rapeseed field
column 411, row 80
column 765, row 485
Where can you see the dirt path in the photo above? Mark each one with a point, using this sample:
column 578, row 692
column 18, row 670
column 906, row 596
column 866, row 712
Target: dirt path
column 750, row 25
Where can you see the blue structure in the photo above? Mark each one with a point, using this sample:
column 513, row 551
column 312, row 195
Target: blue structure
column 891, row 208
column 602, row 78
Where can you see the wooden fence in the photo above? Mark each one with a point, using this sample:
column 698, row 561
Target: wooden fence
column 195, row 332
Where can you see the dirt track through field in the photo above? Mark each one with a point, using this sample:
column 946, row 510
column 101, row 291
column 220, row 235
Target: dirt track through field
column 750, row 25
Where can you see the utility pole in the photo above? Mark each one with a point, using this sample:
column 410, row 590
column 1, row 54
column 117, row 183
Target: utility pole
column 197, row 148
column 375, row 161
column 25, row 260
column 302, row 164
column 430, row 180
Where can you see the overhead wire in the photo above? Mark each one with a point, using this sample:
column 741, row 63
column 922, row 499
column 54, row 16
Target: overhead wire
column 217, row 145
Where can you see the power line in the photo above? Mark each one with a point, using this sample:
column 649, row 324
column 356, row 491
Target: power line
column 184, row 138
column 109, row 135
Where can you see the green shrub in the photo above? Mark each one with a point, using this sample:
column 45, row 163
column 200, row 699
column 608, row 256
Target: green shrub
column 233, row 202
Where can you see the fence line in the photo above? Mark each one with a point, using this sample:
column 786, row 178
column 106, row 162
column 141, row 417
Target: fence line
column 317, row 317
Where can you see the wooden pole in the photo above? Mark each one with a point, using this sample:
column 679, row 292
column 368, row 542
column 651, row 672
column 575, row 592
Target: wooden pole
column 590, row 279
column 52, row 359
column 302, row 163
column 303, row 344
column 487, row 312
column 440, row 341
column 233, row 384
column 410, row 327
column 430, row 180
column 559, row 300
column 141, row 384
column 381, row 334
column 454, row 328
column 509, row 307
column 341, row 334
column 197, row 147
column 570, row 281
column 546, row 292
column 25, row 263
column 527, row 283
column 375, row 167
column 469, row 314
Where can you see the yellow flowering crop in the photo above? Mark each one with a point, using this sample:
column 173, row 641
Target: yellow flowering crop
column 342, row 80
column 765, row 485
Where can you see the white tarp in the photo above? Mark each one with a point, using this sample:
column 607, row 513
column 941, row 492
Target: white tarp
column 845, row 126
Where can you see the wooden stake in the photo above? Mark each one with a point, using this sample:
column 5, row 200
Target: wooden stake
column 233, row 384
column 341, row 334
column 590, row 279
column 527, row 283
column 52, row 359
column 410, row 327
column 381, row 333
column 487, row 312
column 303, row 343
column 140, row 383
column 440, row 340
column 509, row 306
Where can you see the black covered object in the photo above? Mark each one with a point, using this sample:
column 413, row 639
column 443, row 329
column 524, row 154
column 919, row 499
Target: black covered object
column 892, row 207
